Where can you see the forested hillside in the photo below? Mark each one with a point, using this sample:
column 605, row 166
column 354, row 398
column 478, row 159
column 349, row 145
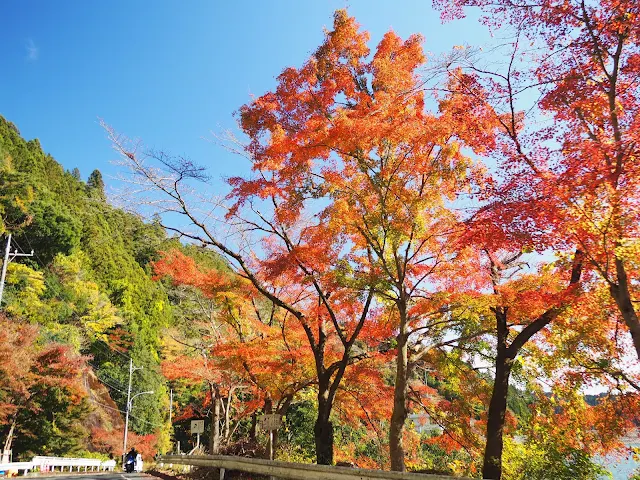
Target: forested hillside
column 88, row 286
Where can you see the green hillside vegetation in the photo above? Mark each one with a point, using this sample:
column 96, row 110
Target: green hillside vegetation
column 88, row 285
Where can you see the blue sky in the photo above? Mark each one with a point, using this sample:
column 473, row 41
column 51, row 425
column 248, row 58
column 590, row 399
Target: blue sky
column 170, row 72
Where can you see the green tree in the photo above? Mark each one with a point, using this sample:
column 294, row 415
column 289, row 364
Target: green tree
column 52, row 230
column 95, row 184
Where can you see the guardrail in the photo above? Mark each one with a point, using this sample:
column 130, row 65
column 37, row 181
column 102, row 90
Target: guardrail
column 294, row 471
column 49, row 464
column 16, row 467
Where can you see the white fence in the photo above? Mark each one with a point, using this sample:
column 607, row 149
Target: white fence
column 294, row 471
column 16, row 467
column 50, row 464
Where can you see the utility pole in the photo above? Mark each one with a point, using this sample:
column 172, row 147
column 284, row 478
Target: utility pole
column 129, row 405
column 170, row 406
column 126, row 422
column 4, row 266
column 8, row 256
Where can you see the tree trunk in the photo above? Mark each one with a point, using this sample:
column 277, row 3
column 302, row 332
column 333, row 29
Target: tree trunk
column 323, row 429
column 8, row 442
column 274, row 442
column 622, row 296
column 254, row 426
column 268, row 410
column 214, row 437
column 400, row 411
column 227, row 417
column 492, row 468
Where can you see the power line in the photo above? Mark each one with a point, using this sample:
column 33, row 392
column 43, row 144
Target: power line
column 18, row 247
column 113, row 379
column 42, row 264
column 146, row 421
column 37, row 256
column 104, row 382
column 46, row 267
column 106, row 406
column 107, row 350
column 100, row 373
column 122, row 411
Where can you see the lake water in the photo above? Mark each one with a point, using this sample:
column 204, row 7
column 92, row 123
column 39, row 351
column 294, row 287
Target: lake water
column 621, row 468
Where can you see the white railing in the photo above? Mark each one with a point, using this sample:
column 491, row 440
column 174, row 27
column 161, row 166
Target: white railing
column 49, row 464
column 16, row 467
column 293, row 471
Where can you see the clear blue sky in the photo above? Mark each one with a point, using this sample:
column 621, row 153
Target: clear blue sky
column 170, row 72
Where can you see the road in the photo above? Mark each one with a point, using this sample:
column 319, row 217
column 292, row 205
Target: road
column 97, row 476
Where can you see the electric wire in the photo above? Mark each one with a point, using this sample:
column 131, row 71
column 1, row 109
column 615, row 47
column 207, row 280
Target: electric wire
column 105, row 348
column 122, row 411
column 108, row 350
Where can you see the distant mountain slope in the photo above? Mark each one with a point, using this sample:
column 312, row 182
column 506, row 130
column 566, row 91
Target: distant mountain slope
column 108, row 251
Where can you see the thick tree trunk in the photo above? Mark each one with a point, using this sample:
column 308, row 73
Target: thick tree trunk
column 622, row 296
column 492, row 468
column 400, row 411
column 214, row 436
column 323, row 429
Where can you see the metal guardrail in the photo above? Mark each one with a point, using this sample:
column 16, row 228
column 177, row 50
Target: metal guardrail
column 49, row 464
column 294, row 471
column 16, row 467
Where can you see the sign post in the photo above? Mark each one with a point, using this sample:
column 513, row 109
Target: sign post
column 197, row 427
column 270, row 422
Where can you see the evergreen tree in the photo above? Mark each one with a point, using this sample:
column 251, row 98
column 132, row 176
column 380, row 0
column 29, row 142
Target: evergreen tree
column 95, row 184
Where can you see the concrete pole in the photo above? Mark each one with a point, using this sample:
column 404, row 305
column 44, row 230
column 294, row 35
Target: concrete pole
column 126, row 422
column 4, row 266
column 170, row 406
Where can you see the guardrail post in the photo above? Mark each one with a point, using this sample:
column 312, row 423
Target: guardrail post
column 222, row 472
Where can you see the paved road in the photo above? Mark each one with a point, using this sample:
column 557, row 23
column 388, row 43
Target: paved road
column 98, row 476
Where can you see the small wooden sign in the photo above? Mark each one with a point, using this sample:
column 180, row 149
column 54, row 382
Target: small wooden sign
column 271, row 421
